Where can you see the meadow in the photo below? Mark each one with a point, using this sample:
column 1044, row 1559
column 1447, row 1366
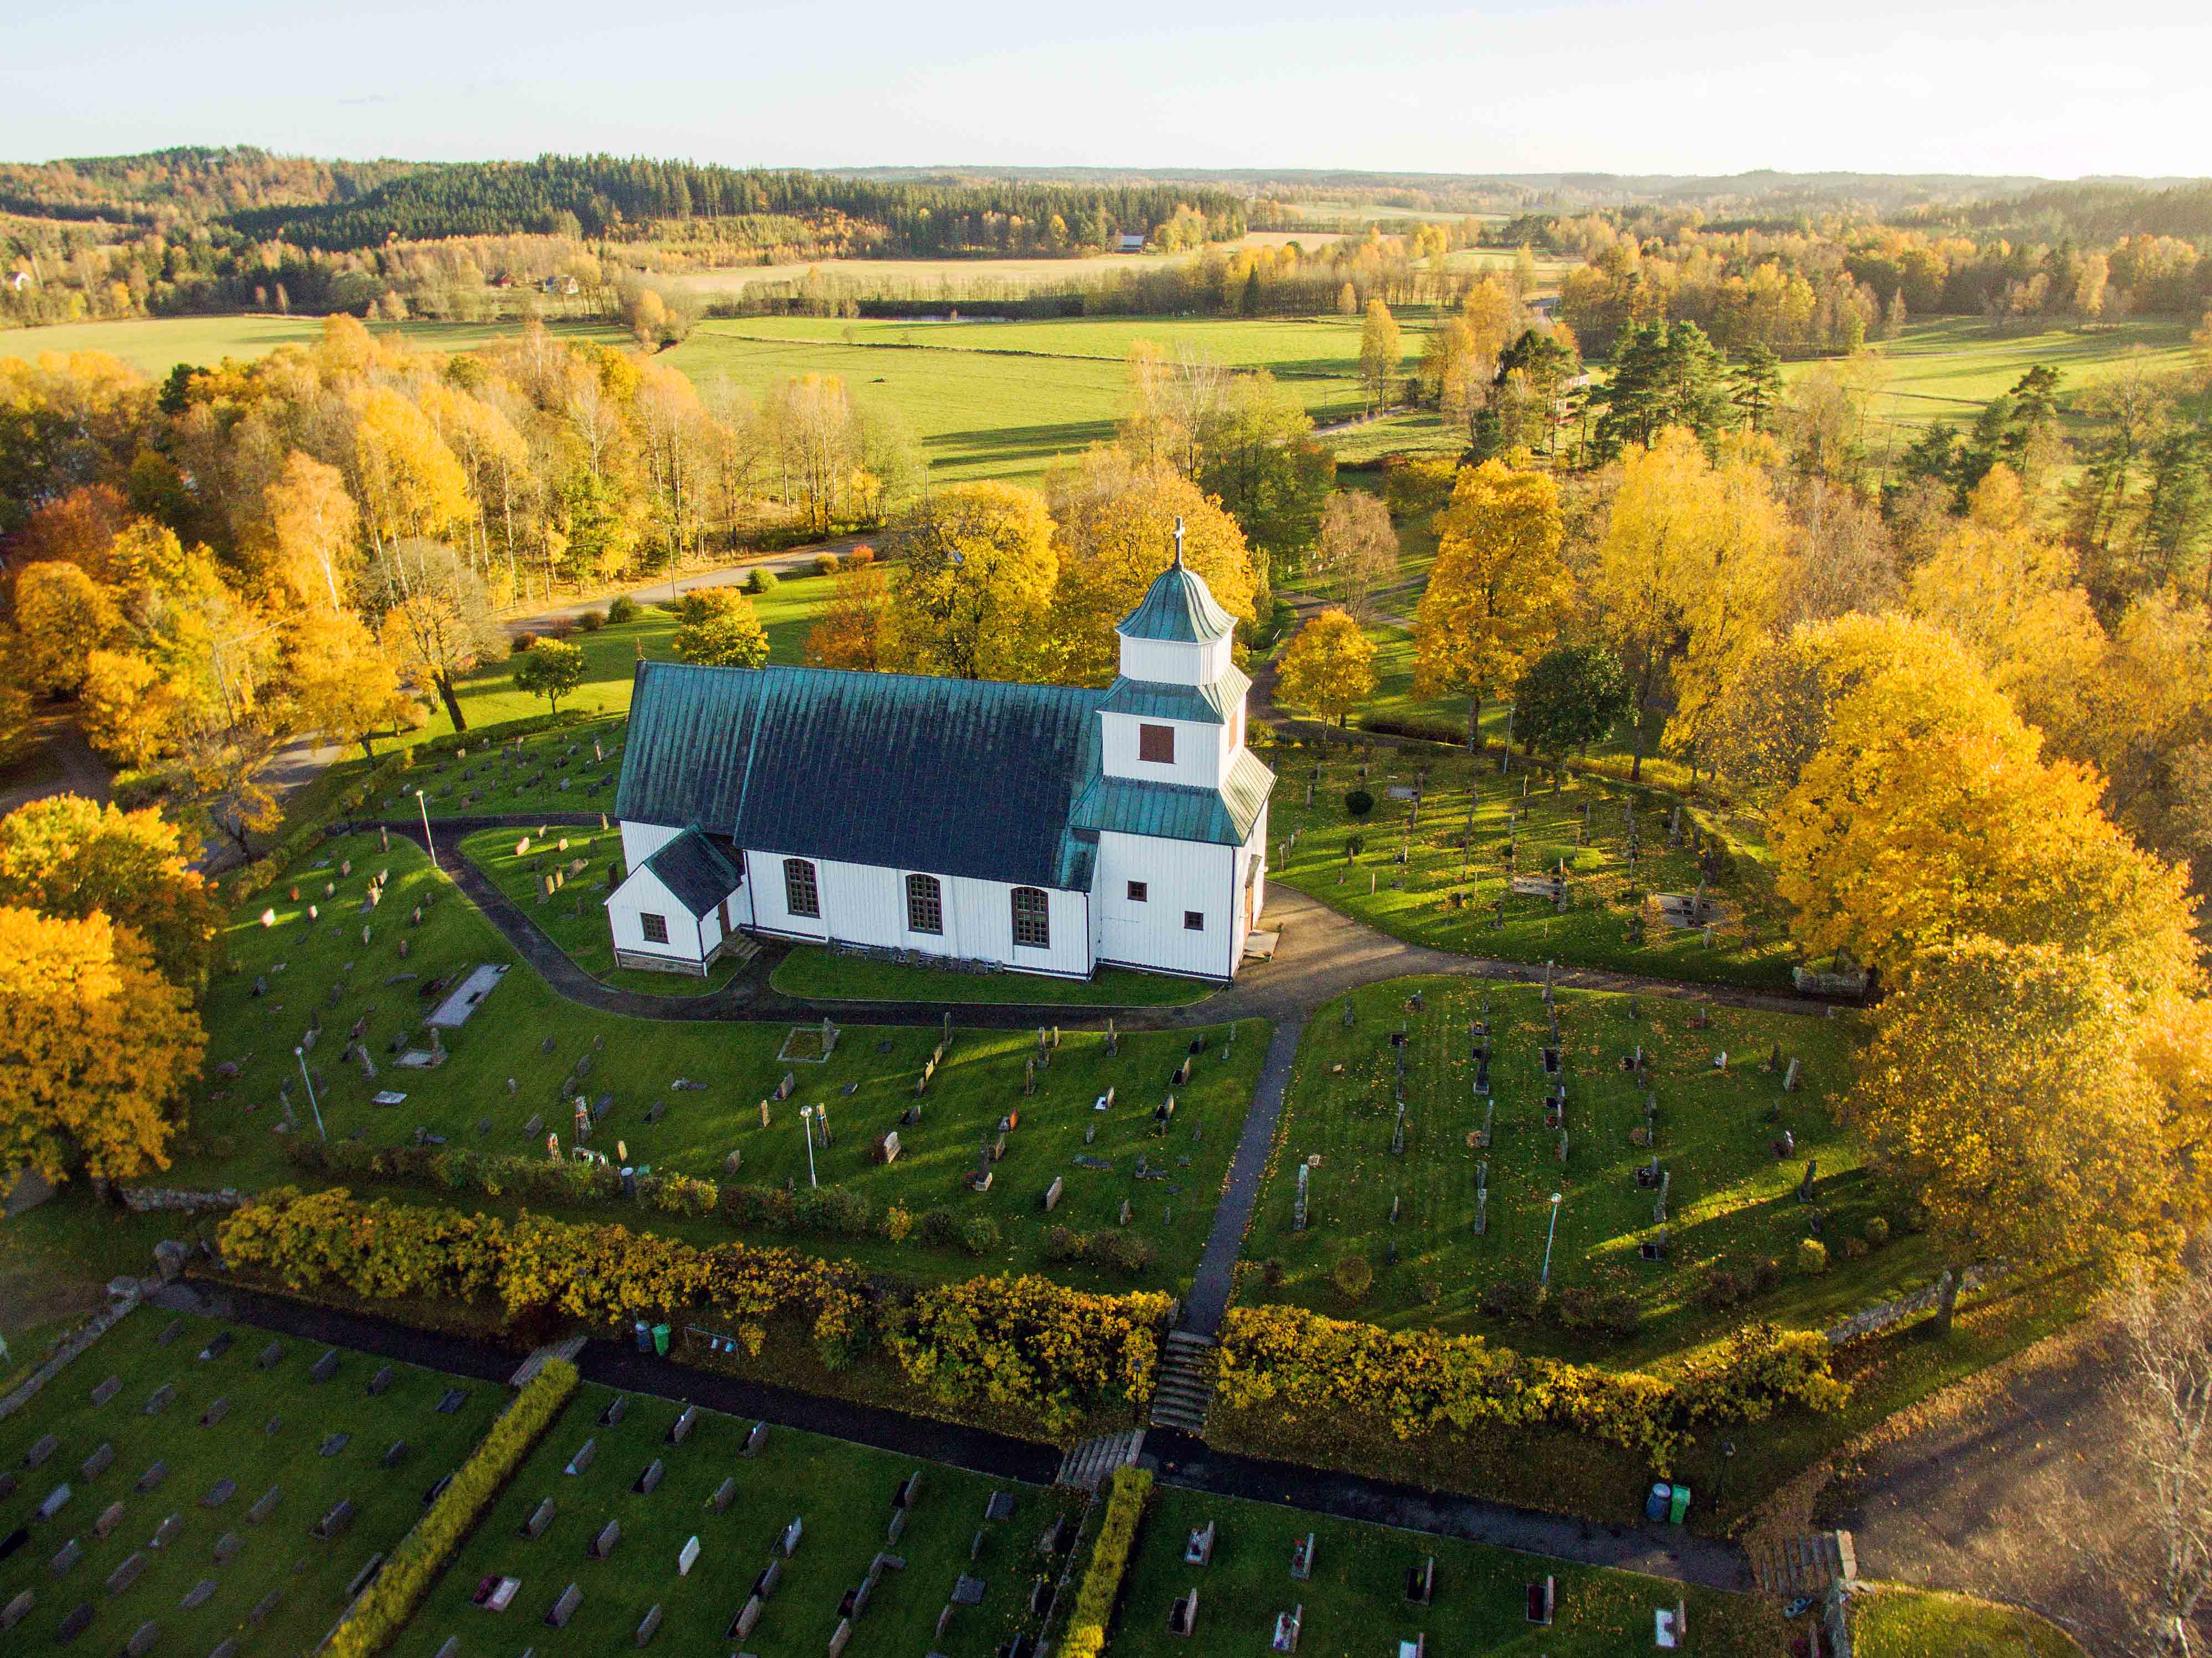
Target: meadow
column 230, row 1421
column 1473, row 831
column 1730, row 1201
column 512, row 1075
column 842, row 1492
column 1355, row 1599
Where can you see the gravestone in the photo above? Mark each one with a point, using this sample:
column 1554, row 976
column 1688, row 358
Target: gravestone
column 1183, row 1616
column 198, row 1594
column 70, row 1553
column 1197, row 1551
column 1302, row 1558
column 582, row 1460
column 215, row 1412
column 142, row 1638
column 335, row 1443
column 335, row 1523
column 395, row 1453
column 646, row 1483
column 749, row 1615
column 265, row 1607
column 792, row 1533
column 265, row 1506
column 165, row 1533
column 226, row 1546
column 1298, row 1205
column 1052, row 1195
column 720, row 1502
column 603, row 1545
column 126, row 1574
column 892, row 1532
column 688, row 1557
column 79, row 1620
column 107, row 1390
column 756, row 1439
column 565, row 1608
column 770, row 1575
column 617, row 1408
column 98, row 1462
column 379, row 1382
column 540, row 1518
column 326, row 1366
column 110, row 1518
column 451, row 1400
column 270, row 1357
column 680, row 1430
column 17, row 1610
column 57, row 1500
column 163, row 1397
column 1790, row 1079
column 1000, row 1506
column 647, row 1624
column 969, row 1591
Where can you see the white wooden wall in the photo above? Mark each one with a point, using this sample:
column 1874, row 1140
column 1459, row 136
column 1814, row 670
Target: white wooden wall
column 1178, row 876
column 642, row 841
column 864, row 904
column 1201, row 752
column 642, row 895
column 1168, row 663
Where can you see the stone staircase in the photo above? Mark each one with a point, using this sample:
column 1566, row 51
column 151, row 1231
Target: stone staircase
column 526, row 1372
column 1805, row 1565
column 1085, row 1468
column 1186, row 1383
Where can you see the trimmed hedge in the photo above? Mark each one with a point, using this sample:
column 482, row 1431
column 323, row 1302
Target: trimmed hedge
column 375, row 1620
column 1109, row 1558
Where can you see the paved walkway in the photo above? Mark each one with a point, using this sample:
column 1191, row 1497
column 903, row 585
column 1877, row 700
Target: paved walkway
column 1181, row 1461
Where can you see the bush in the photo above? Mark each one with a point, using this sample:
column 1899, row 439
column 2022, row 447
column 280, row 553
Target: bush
column 520, row 642
column 1518, row 1299
column 424, row 1553
column 1877, row 1231
column 1064, row 1243
column 1426, row 730
column 1812, row 1257
column 1272, row 1271
column 826, row 564
column 1721, row 1288
column 1766, row 1273
column 621, row 608
column 1125, row 1252
column 1353, row 1277
column 592, row 621
column 833, row 1211
column 1359, row 803
column 761, row 581
column 1610, row 1311
column 859, row 556
column 940, row 1229
column 1855, row 1249
column 898, row 1223
column 979, row 1234
column 1128, row 1488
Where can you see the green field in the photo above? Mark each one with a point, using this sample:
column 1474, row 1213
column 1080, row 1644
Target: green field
column 1453, row 891
column 1729, row 1200
column 525, row 1032
column 1355, row 1599
column 842, row 1492
column 266, row 1438
column 155, row 345
column 1896, row 1622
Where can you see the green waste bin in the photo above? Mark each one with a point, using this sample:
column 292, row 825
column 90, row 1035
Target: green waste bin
column 1680, row 1506
column 660, row 1346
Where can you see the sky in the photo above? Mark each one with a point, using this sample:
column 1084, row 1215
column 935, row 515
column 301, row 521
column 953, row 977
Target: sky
column 1506, row 86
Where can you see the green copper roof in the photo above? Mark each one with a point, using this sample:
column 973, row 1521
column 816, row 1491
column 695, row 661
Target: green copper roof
column 955, row 777
column 1177, row 608
column 1149, row 699
column 1178, row 812
column 695, row 871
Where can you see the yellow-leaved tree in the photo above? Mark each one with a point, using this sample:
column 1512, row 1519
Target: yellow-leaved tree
column 1329, row 666
column 98, row 1048
column 972, row 591
column 1498, row 592
column 2003, row 1089
column 1114, row 523
column 62, row 617
column 70, row 857
column 344, row 682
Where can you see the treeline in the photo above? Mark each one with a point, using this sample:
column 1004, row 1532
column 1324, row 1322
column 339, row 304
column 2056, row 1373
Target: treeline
column 193, row 183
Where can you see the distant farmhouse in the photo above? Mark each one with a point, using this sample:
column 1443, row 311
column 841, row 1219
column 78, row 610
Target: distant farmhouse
column 1129, row 244
column 1045, row 829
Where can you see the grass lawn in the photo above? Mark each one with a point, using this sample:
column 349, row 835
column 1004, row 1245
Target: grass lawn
column 842, row 1493
column 575, row 918
column 817, row 973
column 1729, row 1200
column 276, row 1422
column 1607, row 901
column 1896, row 1622
column 1355, row 1601
column 636, row 1060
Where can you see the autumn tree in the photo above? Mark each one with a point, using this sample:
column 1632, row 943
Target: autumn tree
column 850, row 634
column 2001, row 1090
column 313, row 533
column 1114, row 529
column 972, row 591
column 62, row 617
column 721, row 631
column 1328, row 666
column 437, row 618
column 99, row 1048
column 343, row 683
column 550, row 668
column 1497, row 592
column 1256, row 456
column 1378, row 353
column 68, row 857
column 1572, row 696
column 1356, row 548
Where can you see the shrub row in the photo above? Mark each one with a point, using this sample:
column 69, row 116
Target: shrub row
column 375, row 1620
column 1020, row 1342
column 1426, row 730
column 1109, row 1558
column 1303, row 1367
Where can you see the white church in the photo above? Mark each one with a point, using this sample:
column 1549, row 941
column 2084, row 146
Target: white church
column 1044, row 828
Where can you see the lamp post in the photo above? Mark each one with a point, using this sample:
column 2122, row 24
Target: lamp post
column 1551, row 1233
column 806, row 1115
column 426, row 842
column 1720, row 1482
column 300, row 1055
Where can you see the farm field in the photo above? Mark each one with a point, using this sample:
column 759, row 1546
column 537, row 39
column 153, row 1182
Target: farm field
column 330, row 976
column 842, row 1493
column 1453, row 890
column 230, row 1422
column 1731, row 1200
column 155, row 345
column 1355, row 1599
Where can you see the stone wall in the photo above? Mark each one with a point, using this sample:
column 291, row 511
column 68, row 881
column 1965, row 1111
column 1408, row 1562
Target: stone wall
column 166, row 1200
column 28, row 1389
column 1882, row 1315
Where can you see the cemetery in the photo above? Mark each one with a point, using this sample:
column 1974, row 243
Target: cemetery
column 568, row 768
column 1451, row 852
column 351, row 978
column 752, row 1537
column 1429, row 1121
column 216, row 1482
column 1353, row 1594
column 559, row 879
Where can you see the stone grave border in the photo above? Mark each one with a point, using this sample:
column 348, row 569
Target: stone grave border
column 28, row 1389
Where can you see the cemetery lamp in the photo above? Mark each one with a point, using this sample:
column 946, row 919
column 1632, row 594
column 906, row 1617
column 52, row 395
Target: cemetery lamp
column 1720, row 1482
column 806, row 1116
column 1553, row 1232
column 426, row 840
column 300, row 1055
